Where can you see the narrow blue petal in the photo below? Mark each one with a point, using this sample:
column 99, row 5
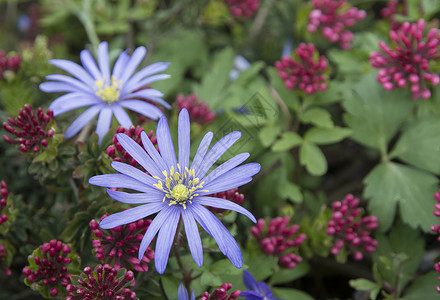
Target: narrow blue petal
column 143, row 108
column 132, row 85
column 82, row 120
column 182, row 293
column 165, row 143
column 224, row 186
column 153, row 229
column 165, row 240
column 104, row 122
column 135, row 198
column 184, row 138
column 121, row 115
column 193, row 295
column 134, row 173
column 138, row 154
column 201, row 151
column 120, row 181
column 225, row 204
column 80, row 86
column 149, row 94
column 216, row 152
column 264, row 289
column 130, row 215
column 152, row 151
column 74, row 69
column 193, row 236
column 251, row 295
column 147, row 71
column 133, row 63
column 249, row 281
column 103, row 61
column 56, row 87
column 225, row 167
column 89, row 64
column 120, row 64
column 71, row 101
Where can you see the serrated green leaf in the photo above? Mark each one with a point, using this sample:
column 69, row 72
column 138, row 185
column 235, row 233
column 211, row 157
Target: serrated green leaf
column 389, row 184
column 224, row 266
column 362, row 284
column 262, row 266
column 289, row 275
column 423, row 288
column 268, row 134
column 291, row 191
column 287, row 141
column 170, row 286
column 313, row 159
column 285, row 293
column 322, row 136
column 317, row 116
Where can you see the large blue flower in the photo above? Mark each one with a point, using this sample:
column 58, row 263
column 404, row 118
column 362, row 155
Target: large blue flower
column 105, row 93
column 177, row 190
column 256, row 290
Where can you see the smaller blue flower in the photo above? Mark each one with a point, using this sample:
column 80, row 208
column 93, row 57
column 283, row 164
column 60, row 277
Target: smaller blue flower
column 256, row 290
column 182, row 294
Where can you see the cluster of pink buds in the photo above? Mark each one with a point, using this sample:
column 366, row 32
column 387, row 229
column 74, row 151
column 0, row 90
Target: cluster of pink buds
column 436, row 228
column 52, row 262
column 119, row 246
column 9, row 63
column 351, row 229
column 333, row 18
column 242, row 8
column 407, row 60
column 117, row 152
column 231, row 195
column 4, row 265
column 198, row 110
column 30, row 129
column 221, row 293
column 3, row 201
column 437, row 268
column 304, row 71
column 393, row 7
column 104, row 283
column 280, row 240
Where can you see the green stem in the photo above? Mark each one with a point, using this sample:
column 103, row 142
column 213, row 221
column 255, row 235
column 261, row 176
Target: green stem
column 85, row 17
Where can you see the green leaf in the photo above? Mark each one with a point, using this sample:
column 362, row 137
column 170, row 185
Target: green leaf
column 423, row 288
column 389, row 184
column 285, row 293
column 287, row 141
column 262, row 266
column 419, row 145
column 224, row 266
column 291, row 191
column 322, row 136
column 366, row 285
column 170, row 286
column 317, row 116
column 374, row 114
column 313, row 159
column 268, row 134
column 289, row 275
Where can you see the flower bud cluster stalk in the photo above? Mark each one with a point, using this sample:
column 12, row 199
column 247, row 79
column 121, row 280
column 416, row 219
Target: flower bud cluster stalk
column 231, row 195
column 119, row 246
column 351, row 229
column 406, row 61
column 280, row 240
column 3, row 201
column 198, row 110
column 221, row 293
column 52, row 263
column 30, row 129
column 304, row 70
column 117, row 152
column 105, row 283
column 9, row 63
column 333, row 18
column 242, row 8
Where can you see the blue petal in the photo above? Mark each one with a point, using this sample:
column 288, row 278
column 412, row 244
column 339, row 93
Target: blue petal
column 103, row 62
column 130, row 215
column 133, row 63
column 201, row 151
column 226, row 166
column 55, row 87
column 251, row 295
column 154, row 154
column 89, row 64
column 80, row 86
column 82, row 120
column 104, row 122
column 121, row 115
column 165, row 143
column 184, row 138
column 143, row 108
column 149, row 94
column 131, row 87
column 225, row 204
column 193, row 236
column 120, row 181
column 71, row 101
column 193, row 295
column 135, row 198
column 182, row 293
column 138, row 154
column 264, row 289
column 249, row 281
column 217, row 151
column 120, row 64
column 133, row 82
column 74, row 69
column 134, row 173
column 165, row 240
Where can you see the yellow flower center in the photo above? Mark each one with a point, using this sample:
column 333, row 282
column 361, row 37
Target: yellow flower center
column 108, row 93
column 180, row 192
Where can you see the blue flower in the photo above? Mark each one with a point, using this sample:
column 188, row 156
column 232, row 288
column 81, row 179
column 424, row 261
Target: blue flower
column 105, row 93
column 182, row 294
column 256, row 290
column 178, row 191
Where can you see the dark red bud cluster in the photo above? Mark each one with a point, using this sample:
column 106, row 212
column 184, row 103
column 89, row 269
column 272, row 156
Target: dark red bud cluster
column 436, row 228
column 351, row 229
column 119, row 246
column 198, row 110
column 231, row 195
column 333, row 18
column 221, row 293
column 102, row 283
column 9, row 63
column 437, row 268
column 304, row 71
column 242, row 8
column 3, row 264
column 3, row 201
column 52, row 266
column 406, row 61
column 280, row 240
column 30, row 129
